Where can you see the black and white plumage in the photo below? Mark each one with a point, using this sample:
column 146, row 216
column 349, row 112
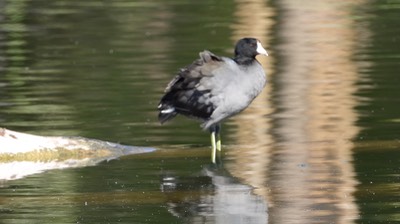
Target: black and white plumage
column 214, row 88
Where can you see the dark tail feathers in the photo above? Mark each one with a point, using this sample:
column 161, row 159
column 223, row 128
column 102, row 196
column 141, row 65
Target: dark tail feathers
column 167, row 112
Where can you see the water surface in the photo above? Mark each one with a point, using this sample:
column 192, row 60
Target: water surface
column 319, row 145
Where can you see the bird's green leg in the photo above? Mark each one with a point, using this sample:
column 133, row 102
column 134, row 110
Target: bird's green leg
column 213, row 145
column 218, row 136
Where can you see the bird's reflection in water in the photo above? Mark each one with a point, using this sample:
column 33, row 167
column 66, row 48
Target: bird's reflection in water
column 213, row 196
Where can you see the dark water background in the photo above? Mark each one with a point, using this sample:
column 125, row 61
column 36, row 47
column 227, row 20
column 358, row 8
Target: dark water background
column 320, row 145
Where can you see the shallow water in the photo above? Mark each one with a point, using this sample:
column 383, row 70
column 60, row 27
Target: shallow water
column 319, row 145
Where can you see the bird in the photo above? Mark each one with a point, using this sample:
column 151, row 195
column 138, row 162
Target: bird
column 214, row 88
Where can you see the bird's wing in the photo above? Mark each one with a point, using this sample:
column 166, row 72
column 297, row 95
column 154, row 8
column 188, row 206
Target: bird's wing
column 191, row 74
column 191, row 91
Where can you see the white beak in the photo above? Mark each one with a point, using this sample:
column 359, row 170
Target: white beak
column 260, row 49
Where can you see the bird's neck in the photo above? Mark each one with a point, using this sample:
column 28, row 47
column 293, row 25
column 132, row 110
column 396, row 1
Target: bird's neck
column 244, row 60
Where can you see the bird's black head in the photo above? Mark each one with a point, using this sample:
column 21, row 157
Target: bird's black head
column 248, row 48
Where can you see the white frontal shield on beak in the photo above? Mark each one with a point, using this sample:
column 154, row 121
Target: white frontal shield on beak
column 260, row 49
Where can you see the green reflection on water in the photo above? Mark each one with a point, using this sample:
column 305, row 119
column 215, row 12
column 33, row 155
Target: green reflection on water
column 97, row 69
column 377, row 168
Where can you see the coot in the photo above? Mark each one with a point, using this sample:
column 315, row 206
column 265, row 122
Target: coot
column 214, row 88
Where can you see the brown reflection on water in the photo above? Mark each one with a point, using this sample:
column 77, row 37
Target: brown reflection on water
column 304, row 169
column 313, row 171
column 251, row 156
